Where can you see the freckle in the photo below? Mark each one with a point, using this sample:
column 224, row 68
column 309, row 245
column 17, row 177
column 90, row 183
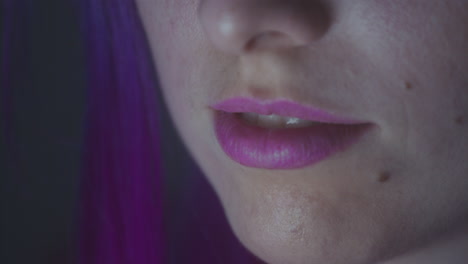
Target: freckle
column 384, row 176
column 459, row 120
column 408, row 85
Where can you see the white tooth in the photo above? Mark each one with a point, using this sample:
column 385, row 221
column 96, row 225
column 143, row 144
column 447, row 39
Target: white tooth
column 297, row 122
column 270, row 121
column 275, row 121
column 292, row 120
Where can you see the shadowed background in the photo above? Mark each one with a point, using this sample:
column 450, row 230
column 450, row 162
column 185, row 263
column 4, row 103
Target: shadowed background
column 38, row 180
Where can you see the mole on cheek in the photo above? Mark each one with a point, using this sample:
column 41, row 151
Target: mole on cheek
column 384, row 176
column 408, row 86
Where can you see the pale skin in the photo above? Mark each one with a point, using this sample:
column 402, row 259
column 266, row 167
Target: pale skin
column 399, row 195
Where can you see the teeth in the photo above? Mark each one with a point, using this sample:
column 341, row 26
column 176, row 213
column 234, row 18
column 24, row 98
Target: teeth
column 275, row 121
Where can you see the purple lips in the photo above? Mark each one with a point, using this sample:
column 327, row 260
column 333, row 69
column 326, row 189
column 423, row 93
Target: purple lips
column 282, row 148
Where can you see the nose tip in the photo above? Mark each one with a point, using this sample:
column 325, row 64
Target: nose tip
column 238, row 26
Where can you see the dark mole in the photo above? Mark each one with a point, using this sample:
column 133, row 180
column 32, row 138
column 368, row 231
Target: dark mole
column 384, row 176
column 459, row 120
column 408, row 86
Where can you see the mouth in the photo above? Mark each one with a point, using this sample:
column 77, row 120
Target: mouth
column 281, row 134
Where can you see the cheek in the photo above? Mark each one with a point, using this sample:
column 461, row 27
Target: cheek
column 424, row 93
column 174, row 37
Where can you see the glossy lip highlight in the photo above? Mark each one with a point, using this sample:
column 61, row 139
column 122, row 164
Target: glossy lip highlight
column 282, row 148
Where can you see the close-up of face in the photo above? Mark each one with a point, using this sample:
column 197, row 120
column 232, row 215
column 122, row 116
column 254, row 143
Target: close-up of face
column 333, row 131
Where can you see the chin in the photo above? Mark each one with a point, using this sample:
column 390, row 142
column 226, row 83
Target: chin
column 287, row 228
column 297, row 246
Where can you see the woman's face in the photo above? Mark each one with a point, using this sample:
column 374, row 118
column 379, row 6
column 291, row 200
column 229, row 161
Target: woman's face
column 390, row 175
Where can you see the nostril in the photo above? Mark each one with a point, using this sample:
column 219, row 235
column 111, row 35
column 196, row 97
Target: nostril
column 237, row 26
column 266, row 39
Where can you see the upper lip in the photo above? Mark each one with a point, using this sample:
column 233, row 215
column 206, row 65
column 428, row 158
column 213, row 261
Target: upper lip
column 281, row 107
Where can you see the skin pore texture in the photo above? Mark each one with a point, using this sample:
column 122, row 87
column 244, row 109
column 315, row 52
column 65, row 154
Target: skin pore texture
column 400, row 194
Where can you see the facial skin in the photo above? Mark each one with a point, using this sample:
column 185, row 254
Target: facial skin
column 400, row 194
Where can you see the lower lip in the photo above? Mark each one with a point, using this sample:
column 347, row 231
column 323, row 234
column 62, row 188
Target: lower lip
column 283, row 148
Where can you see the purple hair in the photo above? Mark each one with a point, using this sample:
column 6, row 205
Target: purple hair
column 125, row 215
column 121, row 212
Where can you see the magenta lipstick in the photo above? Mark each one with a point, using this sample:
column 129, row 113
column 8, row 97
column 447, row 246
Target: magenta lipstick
column 267, row 139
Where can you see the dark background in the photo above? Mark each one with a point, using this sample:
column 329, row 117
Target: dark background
column 38, row 180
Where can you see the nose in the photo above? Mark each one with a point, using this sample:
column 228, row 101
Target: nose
column 240, row 26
